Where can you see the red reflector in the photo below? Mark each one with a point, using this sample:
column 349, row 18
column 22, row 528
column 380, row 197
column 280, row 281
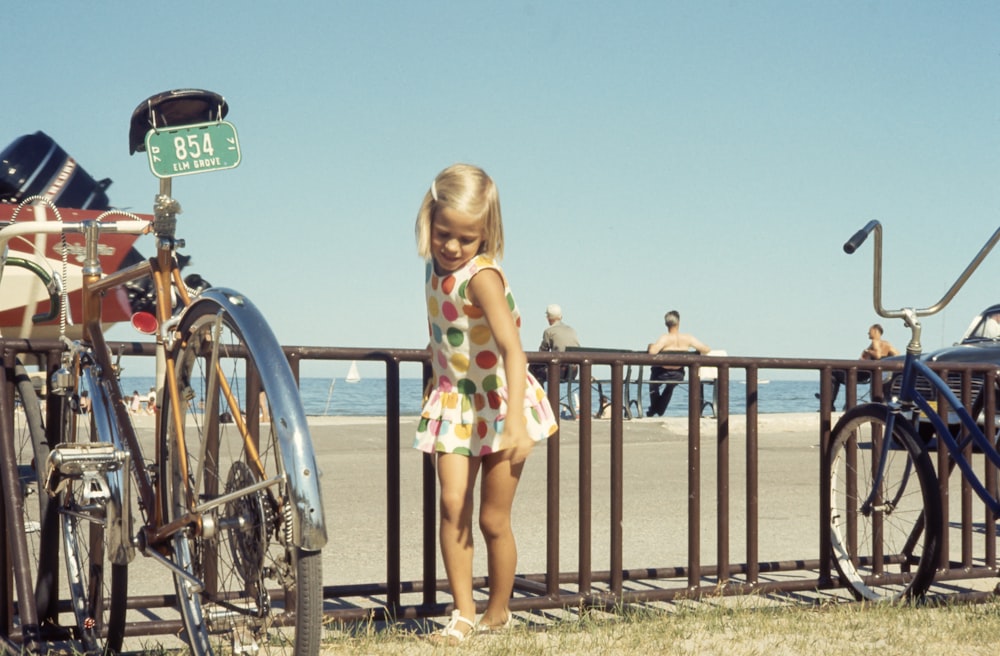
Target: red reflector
column 144, row 322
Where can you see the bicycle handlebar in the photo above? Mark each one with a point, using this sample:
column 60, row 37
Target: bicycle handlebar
column 12, row 230
column 874, row 226
column 859, row 237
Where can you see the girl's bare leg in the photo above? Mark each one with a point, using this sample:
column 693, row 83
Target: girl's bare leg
column 457, row 476
column 499, row 484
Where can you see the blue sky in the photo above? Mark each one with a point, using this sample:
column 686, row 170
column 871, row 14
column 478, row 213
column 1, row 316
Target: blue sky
column 709, row 157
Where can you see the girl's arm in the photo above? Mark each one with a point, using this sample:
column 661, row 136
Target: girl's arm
column 486, row 291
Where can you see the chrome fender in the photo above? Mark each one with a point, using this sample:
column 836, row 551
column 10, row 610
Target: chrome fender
column 288, row 418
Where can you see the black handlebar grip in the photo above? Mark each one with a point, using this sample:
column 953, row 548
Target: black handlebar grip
column 859, row 238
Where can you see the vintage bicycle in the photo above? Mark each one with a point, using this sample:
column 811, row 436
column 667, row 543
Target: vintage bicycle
column 885, row 507
column 228, row 501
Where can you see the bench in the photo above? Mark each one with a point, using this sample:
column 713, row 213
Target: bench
column 633, row 407
column 706, row 375
column 706, row 402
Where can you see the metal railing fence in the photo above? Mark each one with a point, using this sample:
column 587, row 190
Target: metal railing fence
column 716, row 482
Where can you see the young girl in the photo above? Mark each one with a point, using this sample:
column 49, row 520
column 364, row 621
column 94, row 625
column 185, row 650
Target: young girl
column 484, row 412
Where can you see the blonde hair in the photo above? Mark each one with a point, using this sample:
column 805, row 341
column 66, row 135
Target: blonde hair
column 470, row 190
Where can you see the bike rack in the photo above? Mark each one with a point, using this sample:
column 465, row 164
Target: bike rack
column 554, row 589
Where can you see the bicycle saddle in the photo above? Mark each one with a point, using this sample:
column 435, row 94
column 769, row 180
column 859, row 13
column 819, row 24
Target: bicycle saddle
column 170, row 108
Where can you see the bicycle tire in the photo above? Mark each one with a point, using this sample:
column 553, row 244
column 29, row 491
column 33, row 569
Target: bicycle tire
column 260, row 590
column 39, row 517
column 890, row 553
column 98, row 588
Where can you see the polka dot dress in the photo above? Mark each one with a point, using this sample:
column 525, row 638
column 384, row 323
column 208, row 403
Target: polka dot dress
column 465, row 410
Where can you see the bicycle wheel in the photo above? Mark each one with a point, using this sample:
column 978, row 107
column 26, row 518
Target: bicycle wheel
column 248, row 587
column 97, row 587
column 39, row 518
column 886, row 549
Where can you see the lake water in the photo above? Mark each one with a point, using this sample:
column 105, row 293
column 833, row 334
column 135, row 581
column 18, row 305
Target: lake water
column 367, row 397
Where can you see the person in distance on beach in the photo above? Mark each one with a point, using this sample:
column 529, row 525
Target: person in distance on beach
column 877, row 349
column 671, row 341
column 557, row 337
column 136, row 404
column 485, row 411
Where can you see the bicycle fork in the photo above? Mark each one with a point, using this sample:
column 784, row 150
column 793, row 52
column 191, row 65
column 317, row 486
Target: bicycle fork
column 875, row 502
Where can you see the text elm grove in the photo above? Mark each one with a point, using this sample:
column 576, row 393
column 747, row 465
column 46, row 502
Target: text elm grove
column 194, row 164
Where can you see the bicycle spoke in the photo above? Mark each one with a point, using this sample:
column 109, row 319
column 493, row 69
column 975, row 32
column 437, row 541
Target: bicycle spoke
column 884, row 513
column 223, row 464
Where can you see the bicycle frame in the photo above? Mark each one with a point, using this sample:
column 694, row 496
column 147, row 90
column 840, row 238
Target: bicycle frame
column 308, row 526
column 309, row 531
column 909, row 396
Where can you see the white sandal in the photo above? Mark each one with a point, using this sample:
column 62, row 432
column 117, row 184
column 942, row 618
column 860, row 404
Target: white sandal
column 450, row 632
column 486, row 628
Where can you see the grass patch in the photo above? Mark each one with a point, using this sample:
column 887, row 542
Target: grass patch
column 738, row 627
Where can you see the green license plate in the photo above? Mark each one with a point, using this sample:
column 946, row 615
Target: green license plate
column 191, row 149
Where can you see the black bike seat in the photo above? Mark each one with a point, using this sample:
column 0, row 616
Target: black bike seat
column 170, row 108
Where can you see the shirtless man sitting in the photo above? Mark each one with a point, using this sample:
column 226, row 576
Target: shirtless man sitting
column 877, row 349
column 671, row 341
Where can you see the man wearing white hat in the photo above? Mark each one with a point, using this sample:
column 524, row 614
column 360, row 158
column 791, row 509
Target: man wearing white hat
column 558, row 335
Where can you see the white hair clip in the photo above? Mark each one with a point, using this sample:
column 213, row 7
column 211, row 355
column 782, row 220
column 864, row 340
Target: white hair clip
column 434, row 190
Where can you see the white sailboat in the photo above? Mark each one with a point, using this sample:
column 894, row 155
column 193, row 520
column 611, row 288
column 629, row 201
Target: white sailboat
column 352, row 374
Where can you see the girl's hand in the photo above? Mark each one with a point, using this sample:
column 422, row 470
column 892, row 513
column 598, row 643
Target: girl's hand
column 516, row 441
column 522, row 449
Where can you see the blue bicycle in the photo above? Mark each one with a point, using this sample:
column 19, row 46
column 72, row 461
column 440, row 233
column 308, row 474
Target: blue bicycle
column 885, row 502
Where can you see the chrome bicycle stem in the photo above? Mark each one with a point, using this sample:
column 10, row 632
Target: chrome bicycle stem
column 165, row 211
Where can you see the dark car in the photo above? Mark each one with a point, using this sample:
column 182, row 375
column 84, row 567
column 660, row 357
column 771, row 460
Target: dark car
column 979, row 344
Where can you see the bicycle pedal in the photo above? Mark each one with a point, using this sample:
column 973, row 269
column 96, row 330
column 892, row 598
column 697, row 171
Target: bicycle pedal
column 242, row 638
column 75, row 461
column 244, row 642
